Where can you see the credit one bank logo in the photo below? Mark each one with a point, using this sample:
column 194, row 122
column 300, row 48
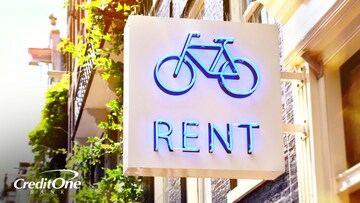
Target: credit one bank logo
column 50, row 184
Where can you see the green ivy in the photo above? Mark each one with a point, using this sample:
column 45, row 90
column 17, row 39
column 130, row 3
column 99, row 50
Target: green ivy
column 49, row 139
column 114, row 186
column 104, row 22
column 114, row 118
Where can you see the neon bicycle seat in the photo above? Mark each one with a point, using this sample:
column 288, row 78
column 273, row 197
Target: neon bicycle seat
column 229, row 40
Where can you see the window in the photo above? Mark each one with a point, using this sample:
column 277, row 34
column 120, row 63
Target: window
column 350, row 87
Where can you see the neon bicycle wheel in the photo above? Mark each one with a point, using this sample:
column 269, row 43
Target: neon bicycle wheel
column 244, row 83
column 170, row 83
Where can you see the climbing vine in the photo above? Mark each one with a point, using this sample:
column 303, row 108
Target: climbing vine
column 49, row 139
column 104, row 22
column 113, row 186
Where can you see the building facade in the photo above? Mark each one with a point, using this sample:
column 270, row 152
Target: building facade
column 49, row 59
column 319, row 50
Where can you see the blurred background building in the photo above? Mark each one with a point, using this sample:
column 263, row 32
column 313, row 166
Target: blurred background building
column 51, row 68
column 49, row 59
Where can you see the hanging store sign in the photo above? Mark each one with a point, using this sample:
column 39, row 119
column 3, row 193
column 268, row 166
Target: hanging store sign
column 201, row 99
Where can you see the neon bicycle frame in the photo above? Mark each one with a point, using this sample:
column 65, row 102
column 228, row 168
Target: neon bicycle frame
column 222, row 75
column 220, row 47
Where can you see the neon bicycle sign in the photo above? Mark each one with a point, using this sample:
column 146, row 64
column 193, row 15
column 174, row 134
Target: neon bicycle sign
column 228, row 71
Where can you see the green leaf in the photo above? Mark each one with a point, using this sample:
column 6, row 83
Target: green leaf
column 126, row 7
column 107, row 146
column 92, row 139
column 119, row 7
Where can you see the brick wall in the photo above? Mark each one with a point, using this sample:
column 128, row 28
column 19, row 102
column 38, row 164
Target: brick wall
column 219, row 189
column 213, row 10
column 174, row 189
column 285, row 187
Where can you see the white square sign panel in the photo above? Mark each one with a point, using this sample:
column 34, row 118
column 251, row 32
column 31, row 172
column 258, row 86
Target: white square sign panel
column 202, row 99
